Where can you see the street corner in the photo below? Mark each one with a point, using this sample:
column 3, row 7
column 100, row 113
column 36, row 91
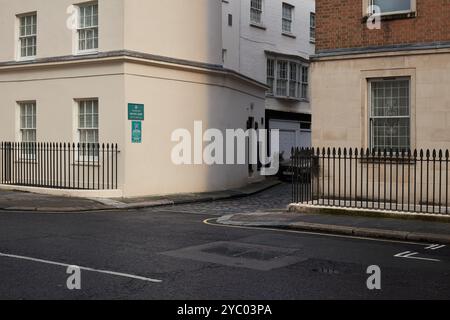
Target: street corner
column 257, row 219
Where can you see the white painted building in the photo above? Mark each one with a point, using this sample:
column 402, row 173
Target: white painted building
column 271, row 41
column 69, row 70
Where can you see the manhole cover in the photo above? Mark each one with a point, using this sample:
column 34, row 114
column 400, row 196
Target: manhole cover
column 234, row 250
column 244, row 255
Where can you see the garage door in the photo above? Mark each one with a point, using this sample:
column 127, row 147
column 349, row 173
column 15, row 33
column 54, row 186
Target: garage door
column 291, row 136
column 287, row 141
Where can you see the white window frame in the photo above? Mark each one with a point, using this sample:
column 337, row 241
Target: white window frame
column 285, row 20
column 27, row 127
column 282, row 82
column 312, row 27
column 83, row 128
column 373, row 117
column 94, row 28
column 304, row 94
column 367, row 4
column 273, row 77
column 24, row 126
column 27, row 36
column 256, row 11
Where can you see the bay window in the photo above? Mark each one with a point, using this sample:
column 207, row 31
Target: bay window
column 287, row 78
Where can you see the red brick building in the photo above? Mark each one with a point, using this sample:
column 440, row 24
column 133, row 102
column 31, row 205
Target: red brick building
column 382, row 80
column 341, row 24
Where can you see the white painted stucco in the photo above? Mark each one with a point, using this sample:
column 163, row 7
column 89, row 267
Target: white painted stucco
column 246, row 44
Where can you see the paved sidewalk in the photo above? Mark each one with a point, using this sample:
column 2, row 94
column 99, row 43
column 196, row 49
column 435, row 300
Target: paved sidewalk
column 24, row 201
column 372, row 227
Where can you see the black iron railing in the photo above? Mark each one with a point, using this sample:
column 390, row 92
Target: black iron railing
column 413, row 181
column 82, row 166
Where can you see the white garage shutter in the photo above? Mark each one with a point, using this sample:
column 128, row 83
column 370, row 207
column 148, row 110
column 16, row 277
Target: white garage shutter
column 287, row 141
column 291, row 135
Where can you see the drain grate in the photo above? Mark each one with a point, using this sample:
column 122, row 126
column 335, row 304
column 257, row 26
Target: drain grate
column 326, row 271
column 326, row 267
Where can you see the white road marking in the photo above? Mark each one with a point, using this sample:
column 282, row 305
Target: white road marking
column 435, row 247
column 119, row 274
column 413, row 255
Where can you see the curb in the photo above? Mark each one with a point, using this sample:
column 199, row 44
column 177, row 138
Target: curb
column 118, row 206
column 374, row 233
column 318, row 209
column 342, row 230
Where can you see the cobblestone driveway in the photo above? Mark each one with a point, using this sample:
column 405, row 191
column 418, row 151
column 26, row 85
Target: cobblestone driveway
column 277, row 197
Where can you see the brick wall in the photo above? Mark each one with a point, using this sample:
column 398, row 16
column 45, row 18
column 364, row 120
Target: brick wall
column 340, row 25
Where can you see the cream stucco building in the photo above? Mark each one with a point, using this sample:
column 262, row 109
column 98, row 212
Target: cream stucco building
column 271, row 41
column 72, row 68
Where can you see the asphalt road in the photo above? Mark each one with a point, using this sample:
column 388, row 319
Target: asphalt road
column 176, row 255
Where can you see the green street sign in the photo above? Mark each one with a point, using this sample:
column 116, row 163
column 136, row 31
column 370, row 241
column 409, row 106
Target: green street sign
column 136, row 132
column 136, row 111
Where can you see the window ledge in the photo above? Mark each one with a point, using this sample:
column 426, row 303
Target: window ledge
column 290, row 35
column 287, row 98
column 24, row 59
column 258, row 25
column 86, row 52
column 394, row 16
